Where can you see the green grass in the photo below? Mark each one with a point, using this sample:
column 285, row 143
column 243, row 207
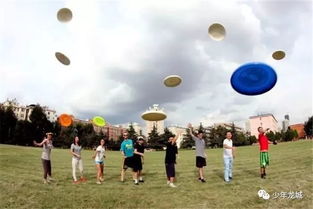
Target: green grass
column 290, row 170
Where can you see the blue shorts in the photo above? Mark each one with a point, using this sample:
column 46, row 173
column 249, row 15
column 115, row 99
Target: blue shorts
column 99, row 162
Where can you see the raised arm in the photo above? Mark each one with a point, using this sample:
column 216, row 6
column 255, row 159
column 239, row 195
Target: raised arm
column 191, row 130
column 41, row 143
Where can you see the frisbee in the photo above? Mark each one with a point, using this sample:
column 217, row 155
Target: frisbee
column 153, row 116
column 278, row 55
column 62, row 58
column 172, row 81
column 217, row 32
column 64, row 15
column 98, row 121
column 253, row 79
column 65, row 120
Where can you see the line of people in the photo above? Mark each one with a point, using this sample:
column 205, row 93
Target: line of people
column 133, row 157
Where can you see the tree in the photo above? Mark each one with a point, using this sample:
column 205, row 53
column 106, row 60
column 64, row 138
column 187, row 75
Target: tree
column 154, row 138
column 7, row 125
column 187, row 143
column 289, row 135
column 132, row 133
column 165, row 136
column 308, row 127
column 40, row 123
column 270, row 135
column 252, row 139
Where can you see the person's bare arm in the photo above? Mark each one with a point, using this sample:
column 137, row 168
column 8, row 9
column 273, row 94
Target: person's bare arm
column 41, row 143
column 138, row 153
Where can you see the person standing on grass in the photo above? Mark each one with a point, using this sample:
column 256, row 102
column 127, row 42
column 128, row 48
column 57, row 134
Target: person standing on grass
column 170, row 160
column 127, row 149
column 228, row 156
column 46, row 156
column 264, row 156
column 139, row 158
column 77, row 161
column 200, row 152
column 99, row 160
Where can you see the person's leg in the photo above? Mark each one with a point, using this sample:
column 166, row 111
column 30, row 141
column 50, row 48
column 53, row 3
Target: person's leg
column 49, row 170
column 81, row 168
column 201, row 173
column 101, row 172
column 123, row 174
column 172, row 175
column 135, row 176
column 230, row 174
column 74, row 164
column 45, row 170
column 98, row 173
column 167, row 173
column 226, row 169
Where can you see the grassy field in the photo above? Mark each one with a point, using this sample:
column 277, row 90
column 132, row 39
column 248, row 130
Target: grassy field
column 290, row 170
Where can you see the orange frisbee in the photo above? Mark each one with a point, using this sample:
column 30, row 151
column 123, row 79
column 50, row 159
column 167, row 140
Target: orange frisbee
column 65, row 120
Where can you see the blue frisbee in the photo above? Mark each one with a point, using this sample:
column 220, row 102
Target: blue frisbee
column 253, row 78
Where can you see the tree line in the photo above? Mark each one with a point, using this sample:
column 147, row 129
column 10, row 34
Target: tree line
column 23, row 132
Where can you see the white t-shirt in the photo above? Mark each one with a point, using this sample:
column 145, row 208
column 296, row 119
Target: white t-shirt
column 100, row 153
column 228, row 152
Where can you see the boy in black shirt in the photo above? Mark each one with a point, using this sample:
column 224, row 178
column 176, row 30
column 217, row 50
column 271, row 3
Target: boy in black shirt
column 138, row 158
column 170, row 160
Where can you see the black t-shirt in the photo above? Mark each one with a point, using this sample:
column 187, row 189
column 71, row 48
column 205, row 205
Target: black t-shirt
column 171, row 151
column 139, row 148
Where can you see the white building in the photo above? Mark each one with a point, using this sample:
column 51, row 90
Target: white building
column 158, row 124
column 285, row 123
column 265, row 121
column 23, row 112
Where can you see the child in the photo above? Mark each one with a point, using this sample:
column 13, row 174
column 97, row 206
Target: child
column 99, row 160
column 127, row 149
column 138, row 158
column 77, row 160
column 170, row 160
column 200, row 152
column 228, row 156
column 45, row 156
column 264, row 157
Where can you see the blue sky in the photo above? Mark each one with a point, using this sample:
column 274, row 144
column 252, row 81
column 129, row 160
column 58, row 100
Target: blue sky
column 120, row 52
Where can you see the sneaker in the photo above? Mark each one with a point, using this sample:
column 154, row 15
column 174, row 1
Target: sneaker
column 231, row 178
column 202, row 180
column 98, row 182
column 76, row 182
column 50, row 179
column 172, row 185
column 136, row 183
column 141, row 181
column 45, row 181
column 101, row 179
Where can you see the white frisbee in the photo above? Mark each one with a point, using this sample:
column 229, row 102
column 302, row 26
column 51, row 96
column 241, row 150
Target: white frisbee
column 217, row 32
column 62, row 58
column 172, row 80
column 64, row 15
column 278, row 55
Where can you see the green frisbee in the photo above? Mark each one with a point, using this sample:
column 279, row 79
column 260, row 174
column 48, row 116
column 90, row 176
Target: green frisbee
column 98, row 121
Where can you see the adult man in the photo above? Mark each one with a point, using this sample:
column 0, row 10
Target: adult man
column 228, row 156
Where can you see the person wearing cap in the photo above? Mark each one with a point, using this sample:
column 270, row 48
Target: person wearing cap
column 46, row 145
column 139, row 158
column 99, row 160
column 127, row 149
column 77, row 161
column 200, row 152
column 228, row 156
column 170, row 160
column 264, row 156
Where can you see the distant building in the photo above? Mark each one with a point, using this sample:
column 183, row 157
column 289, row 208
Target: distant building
column 228, row 126
column 136, row 127
column 265, row 121
column 158, row 124
column 23, row 112
column 248, row 129
column 285, row 123
column 180, row 131
column 300, row 130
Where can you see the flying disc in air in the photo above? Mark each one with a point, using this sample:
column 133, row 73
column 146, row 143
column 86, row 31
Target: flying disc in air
column 172, row 80
column 62, row 58
column 98, row 121
column 65, row 120
column 217, row 32
column 253, row 79
column 278, row 55
column 64, row 15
